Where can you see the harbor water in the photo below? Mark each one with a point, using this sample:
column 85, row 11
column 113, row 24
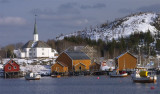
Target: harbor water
column 77, row 85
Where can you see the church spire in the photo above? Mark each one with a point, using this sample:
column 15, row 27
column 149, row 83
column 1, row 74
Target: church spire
column 35, row 26
column 35, row 34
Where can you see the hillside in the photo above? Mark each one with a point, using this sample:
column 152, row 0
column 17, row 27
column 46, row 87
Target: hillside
column 140, row 22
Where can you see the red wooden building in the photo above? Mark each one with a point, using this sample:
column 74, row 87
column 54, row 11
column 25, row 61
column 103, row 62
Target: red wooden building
column 11, row 69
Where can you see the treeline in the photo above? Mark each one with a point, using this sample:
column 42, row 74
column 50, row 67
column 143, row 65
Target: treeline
column 113, row 48
column 107, row 49
column 7, row 51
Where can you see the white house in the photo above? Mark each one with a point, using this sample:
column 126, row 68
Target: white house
column 35, row 48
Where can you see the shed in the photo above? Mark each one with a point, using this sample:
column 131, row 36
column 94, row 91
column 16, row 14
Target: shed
column 94, row 66
column 126, row 61
column 73, row 59
column 11, row 69
column 59, row 67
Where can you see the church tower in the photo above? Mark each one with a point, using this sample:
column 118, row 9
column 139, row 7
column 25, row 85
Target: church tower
column 35, row 34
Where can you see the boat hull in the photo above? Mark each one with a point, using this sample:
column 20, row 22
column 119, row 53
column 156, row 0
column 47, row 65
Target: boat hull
column 144, row 80
column 118, row 75
column 32, row 78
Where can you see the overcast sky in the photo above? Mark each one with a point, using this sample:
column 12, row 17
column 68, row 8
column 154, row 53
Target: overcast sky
column 57, row 17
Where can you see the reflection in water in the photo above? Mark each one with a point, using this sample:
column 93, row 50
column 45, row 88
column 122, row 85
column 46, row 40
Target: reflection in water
column 76, row 85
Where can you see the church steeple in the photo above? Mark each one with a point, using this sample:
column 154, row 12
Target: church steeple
column 35, row 27
column 35, row 34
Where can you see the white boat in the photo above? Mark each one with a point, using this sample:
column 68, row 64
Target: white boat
column 32, row 76
column 136, row 77
column 116, row 73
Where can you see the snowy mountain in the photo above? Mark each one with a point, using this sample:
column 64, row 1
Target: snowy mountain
column 140, row 22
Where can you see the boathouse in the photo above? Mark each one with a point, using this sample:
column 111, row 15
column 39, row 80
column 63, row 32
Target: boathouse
column 94, row 66
column 59, row 67
column 126, row 61
column 75, row 60
column 11, row 69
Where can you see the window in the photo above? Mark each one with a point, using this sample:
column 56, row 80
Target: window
column 29, row 49
column 15, row 67
column 9, row 68
column 42, row 53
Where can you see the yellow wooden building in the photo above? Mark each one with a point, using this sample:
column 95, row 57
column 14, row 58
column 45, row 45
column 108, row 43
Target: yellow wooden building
column 95, row 66
column 59, row 67
column 126, row 61
column 75, row 60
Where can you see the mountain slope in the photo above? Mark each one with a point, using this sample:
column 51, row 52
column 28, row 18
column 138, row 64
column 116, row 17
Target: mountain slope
column 141, row 22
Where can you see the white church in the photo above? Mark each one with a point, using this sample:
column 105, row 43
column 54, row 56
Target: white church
column 35, row 48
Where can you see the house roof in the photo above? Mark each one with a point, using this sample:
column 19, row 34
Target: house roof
column 75, row 48
column 10, row 63
column 124, row 54
column 39, row 44
column 77, row 55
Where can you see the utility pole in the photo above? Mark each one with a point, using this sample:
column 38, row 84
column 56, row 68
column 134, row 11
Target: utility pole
column 139, row 63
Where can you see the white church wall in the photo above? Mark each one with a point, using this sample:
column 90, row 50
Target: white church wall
column 43, row 52
column 22, row 55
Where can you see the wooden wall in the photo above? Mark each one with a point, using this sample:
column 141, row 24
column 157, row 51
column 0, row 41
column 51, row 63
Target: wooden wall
column 83, row 67
column 87, row 63
column 65, row 59
column 59, row 68
column 127, row 61
column 94, row 67
column 14, row 67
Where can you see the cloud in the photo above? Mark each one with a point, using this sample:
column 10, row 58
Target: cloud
column 69, row 5
column 99, row 5
column 151, row 8
column 68, row 8
column 12, row 21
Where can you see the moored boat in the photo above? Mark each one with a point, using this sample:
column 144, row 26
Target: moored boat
column 56, row 76
column 116, row 73
column 143, row 77
column 32, row 76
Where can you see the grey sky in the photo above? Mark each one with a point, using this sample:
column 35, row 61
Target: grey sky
column 62, row 16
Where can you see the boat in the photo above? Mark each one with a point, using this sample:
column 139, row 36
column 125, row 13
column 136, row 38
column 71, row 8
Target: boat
column 56, row 76
column 116, row 73
column 32, row 76
column 143, row 77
